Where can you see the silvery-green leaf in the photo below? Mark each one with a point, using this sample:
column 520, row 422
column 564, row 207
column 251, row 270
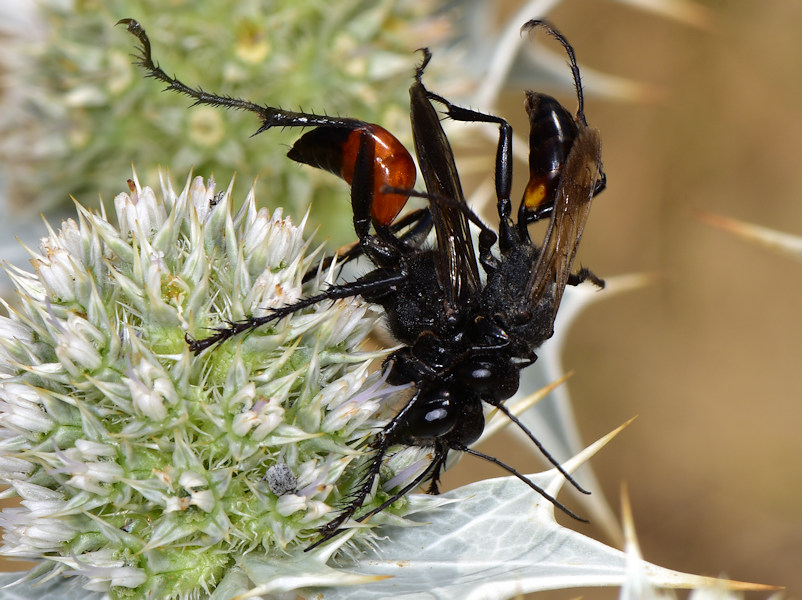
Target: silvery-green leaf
column 498, row 540
column 552, row 419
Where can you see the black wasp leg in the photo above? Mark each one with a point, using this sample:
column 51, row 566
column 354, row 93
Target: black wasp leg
column 381, row 444
column 432, row 470
column 271, row 116
column 332, row 528
column 362, row 193
column 503, row 150
column 438, row 462
column 377, row 281
column 419, row 221
column 358, row 496
column 487, row 237
column 585, row 274
column 384, row 248
column 503, row 157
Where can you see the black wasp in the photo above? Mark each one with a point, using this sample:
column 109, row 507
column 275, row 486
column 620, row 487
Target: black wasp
column 465, row 337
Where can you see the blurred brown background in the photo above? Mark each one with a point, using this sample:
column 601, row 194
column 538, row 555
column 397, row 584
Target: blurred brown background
column 708, row 358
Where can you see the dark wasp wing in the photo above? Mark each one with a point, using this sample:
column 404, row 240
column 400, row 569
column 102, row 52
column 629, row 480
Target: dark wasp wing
column 577, row 185
column 456, row 263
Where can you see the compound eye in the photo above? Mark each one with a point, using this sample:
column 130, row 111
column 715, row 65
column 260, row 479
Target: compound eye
column 479, row 375
column 490, row 378
column 433, row 415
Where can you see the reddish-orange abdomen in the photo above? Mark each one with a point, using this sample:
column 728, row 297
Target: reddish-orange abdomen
column 335, row 149
column 394, row 167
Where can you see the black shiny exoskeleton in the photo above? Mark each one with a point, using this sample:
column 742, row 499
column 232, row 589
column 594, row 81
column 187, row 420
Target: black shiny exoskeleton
column 465, row 337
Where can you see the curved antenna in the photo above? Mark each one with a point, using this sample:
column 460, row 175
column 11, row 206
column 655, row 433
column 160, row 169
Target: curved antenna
column 547, row 455
column 271, row 116
column 526, row 480
column 441, row 452
column 427, row 56
column 535, row 23
column 439, row 459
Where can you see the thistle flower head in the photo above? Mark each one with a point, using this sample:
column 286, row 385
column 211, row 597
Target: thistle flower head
column 140, row 466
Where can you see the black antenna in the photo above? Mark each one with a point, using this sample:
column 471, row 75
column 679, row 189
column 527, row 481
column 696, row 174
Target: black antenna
column 523, row 478
column 427, row 56
column 541, row 447
column 270, row 116
column 535, row 23
column 422, row 477
column 440, row 456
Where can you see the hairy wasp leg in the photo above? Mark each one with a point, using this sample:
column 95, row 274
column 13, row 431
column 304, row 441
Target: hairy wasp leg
column 420, row 220
column 420, row 224
column 384, row 440
column 332, row 528
column 503, row 160
column 487, row 237
column 357, row 499
column 503, row 149
column 372, row 203
column 585, row 274
column 439, row 459
column 271, row 116
column 373, row 282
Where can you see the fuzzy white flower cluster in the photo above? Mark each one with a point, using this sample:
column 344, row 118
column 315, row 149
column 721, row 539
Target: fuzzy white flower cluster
column 140, row 466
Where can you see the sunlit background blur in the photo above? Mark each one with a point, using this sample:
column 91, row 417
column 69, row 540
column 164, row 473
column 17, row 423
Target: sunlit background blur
column 708, row 357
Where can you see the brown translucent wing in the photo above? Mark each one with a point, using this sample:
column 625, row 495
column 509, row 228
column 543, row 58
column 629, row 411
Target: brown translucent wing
column 578, row 181
column 456, row 260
